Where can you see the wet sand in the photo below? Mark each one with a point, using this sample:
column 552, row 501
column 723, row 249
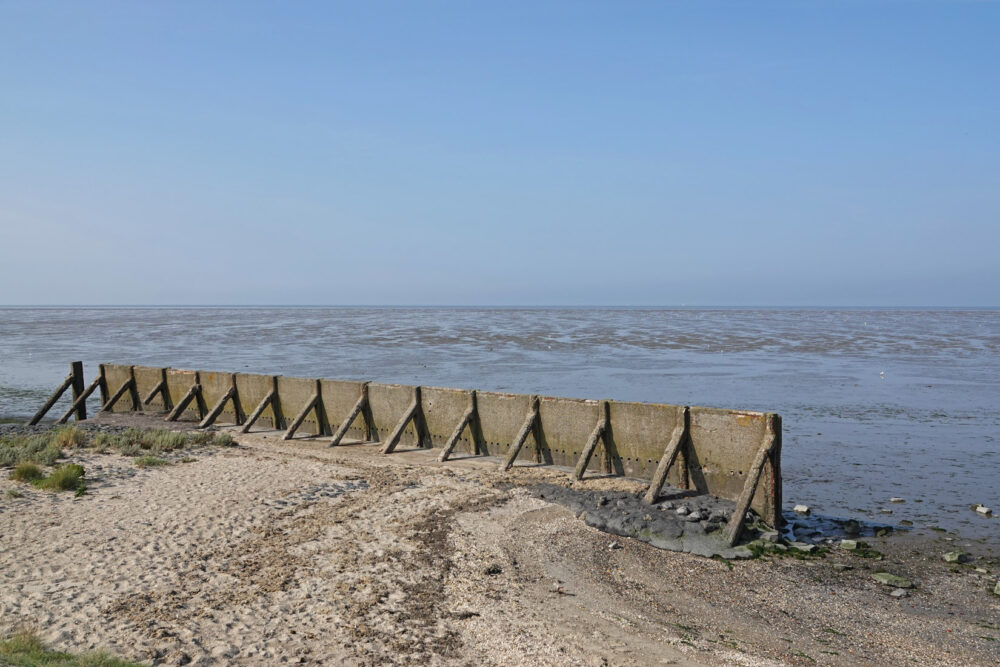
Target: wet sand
column 275, row 552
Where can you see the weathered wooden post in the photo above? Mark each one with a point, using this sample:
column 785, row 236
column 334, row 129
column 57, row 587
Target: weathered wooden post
column 78, row 388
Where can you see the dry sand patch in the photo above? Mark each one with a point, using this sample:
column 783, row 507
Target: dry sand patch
column 291, row 552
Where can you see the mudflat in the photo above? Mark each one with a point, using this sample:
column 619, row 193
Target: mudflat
column 289, row 551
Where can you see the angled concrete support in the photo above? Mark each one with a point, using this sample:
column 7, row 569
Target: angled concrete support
column 735, row 526
column 408, row 416
column 358, row 409
column 529, row 423
column 468, row 416
column 310, row 405
column 178, row 410
column 588, row 450
column 677, row 437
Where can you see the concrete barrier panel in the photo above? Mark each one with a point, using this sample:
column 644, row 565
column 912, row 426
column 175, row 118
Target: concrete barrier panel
column 115, row 375
column 501, row 416
column 146, row 379
column 339, row 398
column 178, row 384
column 293, row 395
column 566, row 425
column 213, row 387
column 638, row 436
column 252, row 389
column 722, row 447
column 388, row 403
column 443, row 409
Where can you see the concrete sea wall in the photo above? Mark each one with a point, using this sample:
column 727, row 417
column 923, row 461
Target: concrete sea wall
column 718, row 450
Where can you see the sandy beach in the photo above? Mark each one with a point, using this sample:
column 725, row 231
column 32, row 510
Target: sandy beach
column 292, row 552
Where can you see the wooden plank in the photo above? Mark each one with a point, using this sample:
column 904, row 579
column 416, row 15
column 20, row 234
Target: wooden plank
column 52, row 400
column 82, row 398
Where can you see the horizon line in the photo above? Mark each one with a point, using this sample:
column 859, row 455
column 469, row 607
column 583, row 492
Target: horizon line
column 518, row 306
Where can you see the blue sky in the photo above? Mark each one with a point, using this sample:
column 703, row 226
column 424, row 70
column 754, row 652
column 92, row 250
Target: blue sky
column 617, row 153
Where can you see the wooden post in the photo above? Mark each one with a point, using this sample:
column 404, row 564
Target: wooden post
column 259, row 410
column 81, row 406
column 597, row 434
column 411, row 412
column 359, row 406
column 470, row 413
column 522, row 435
column 52, row 400
column 195, row 390
column 134, row 391
column 81, row 399
column 217, row 409
column 669, row 455
column 117, row 395
column 105, row 395
column 735, row 526
column 299, row 418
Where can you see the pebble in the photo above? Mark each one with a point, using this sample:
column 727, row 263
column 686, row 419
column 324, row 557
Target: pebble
column 802, row 509
column 850, row 545
column 996, row 589
column 956, row 557
column 842, row 567
column 693, row 516
column 614, row 545
column 897, row 500
column 804, row 547
column 682, row 510
column 899, row 593
column 890, row 579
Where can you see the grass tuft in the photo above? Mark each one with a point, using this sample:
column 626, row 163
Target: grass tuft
column 150, row 461
column 14, row 493
column 26, row 472
column 68, row 436
column 63, row 478
column 35, row 448
column 25, row 649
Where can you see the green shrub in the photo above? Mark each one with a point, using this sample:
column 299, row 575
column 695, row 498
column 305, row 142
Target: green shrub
column 35, row 448
column 63, row 478
column 150, row 461
column 14, row 493
column 26, row 472
column 69, row 436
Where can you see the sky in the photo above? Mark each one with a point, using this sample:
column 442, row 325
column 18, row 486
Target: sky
column 816, row 153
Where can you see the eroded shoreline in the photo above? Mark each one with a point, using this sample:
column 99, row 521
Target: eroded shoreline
column 289, row 551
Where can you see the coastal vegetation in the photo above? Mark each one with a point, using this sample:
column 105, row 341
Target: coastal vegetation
column 44, row 449
column 25, row 649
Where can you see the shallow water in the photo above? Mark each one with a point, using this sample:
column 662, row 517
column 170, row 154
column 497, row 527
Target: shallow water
column 875, row 404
